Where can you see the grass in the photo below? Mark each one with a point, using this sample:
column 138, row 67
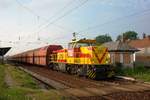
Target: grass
column 29, row 94
column 2, row 82
column 25, row 88
column 23, row 79
column 138, row 72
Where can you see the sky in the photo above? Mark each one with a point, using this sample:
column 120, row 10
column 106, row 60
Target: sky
column 28, row 24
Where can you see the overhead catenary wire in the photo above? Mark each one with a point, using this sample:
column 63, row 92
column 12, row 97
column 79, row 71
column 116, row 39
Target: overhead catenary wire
column 58, row 12
column 47, row 20
column 65, row 14
column 28, row 9
column 99, row 25
column 43, row 18
column 111, row 21
column 62, row 16
column 114, row 20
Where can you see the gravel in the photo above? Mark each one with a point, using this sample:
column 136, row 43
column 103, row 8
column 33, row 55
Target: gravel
column 121, row 96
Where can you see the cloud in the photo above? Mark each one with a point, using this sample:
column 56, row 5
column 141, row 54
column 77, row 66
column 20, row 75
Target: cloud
column 144, row 3
column 24, row 1
column 46, row 4
column 5, row 4
column 120, row 3
column 47, row 8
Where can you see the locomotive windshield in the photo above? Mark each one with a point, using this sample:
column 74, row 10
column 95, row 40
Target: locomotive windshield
column 80, row 44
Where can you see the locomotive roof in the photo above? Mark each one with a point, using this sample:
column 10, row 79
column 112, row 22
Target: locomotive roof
column 84, row 41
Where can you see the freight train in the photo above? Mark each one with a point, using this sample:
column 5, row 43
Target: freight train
column 82, row 57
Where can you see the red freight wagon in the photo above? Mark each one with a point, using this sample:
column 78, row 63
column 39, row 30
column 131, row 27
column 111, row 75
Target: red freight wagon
column 14, row 57
column 36, row 58
column 29, row 57
column 42, row 55
column 19, row 57
column 24, row 57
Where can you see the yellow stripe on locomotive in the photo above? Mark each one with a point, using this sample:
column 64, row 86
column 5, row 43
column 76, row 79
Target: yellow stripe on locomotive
column 89, row 55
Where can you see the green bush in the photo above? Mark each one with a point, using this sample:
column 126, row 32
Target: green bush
column 140, row 69
column 138, row 72
column 119, row 69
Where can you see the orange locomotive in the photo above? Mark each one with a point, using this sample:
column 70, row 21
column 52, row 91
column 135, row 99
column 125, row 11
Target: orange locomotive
column 84, row 58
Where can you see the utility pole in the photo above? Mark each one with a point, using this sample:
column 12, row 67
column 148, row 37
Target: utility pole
column 38, row 37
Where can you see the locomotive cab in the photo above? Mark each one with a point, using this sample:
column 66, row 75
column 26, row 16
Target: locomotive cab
column 81, row 43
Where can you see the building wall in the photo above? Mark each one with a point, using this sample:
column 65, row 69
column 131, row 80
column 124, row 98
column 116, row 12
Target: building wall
column 143, row 56
column 127, row 58
column 117, row 57
column 143, row 59
column 120, row 57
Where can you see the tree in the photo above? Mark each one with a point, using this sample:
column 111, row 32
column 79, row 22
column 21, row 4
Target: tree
column 119, row 37
column 132, row 35
column 103, row 38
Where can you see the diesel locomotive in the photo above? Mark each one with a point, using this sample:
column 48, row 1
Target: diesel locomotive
column 82, row 57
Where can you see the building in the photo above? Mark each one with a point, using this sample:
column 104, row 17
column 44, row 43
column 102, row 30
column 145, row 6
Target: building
column 121, row 52
column 143, row 56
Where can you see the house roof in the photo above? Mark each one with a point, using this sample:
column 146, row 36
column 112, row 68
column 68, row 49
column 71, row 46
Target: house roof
column 140, row 43
column 111, row 45
column 119, row 46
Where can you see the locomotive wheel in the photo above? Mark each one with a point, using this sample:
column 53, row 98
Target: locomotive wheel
column 82, row 71
column 71, row 69
column 68, row 69
column 79, row 71
column 55, row 67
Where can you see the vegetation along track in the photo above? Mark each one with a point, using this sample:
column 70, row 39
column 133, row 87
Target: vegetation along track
column 84, row 88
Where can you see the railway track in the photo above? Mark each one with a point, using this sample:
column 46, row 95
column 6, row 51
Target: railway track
column 73, row 81
column 63, row 78
column 86, row 89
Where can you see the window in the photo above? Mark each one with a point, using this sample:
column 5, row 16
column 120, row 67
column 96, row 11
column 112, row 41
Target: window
column 77, row 45
column 70, row 45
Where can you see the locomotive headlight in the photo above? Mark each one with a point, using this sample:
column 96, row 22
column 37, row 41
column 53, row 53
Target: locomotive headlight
column 94, row 69
column 107, row 60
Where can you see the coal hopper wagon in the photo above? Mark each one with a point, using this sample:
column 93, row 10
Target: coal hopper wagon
column 40, row 56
